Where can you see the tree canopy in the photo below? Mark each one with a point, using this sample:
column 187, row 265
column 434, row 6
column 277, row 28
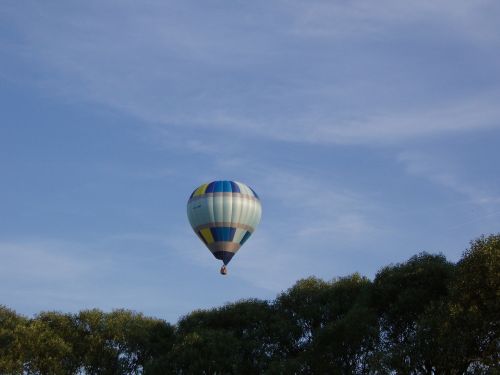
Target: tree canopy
column 423, row 316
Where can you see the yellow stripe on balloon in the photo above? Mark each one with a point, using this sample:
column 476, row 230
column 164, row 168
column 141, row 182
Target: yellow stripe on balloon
column 207, row 235
column 201, row 190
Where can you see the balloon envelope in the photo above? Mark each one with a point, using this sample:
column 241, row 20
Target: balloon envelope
column 224, row 214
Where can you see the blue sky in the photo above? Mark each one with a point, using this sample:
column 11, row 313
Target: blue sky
column 370, row 130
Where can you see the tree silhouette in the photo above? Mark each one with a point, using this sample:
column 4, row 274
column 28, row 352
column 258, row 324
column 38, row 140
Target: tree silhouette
column 423, row 316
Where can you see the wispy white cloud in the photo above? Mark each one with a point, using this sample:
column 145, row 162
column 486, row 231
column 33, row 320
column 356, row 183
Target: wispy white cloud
column 380, row 127
column 121, row 270
column 387, row 128
column 42, row 274
column 350, row 226
column 41, row 261
column 474, row 20
column 152, row 63
column 446, row 175
column 326, row 211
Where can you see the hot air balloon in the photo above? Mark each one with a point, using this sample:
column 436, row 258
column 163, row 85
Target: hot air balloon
column 224, row 214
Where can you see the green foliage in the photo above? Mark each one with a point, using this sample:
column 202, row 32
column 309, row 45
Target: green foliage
column 121, row 342
column 46, row 351
column 347, row 345
column 11, row 353
column 251, row 329
column 474, row 305
column 315, row 309
column 401, row 294
column 422, row 316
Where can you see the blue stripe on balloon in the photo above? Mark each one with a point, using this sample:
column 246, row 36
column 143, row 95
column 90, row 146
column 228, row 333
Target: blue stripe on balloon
column 227, row 233
column 223, row 233
column 245, row 237
column 216, row 233
column 226, row 187
column 234, row 187
column 232, row 231
column 254, row 193
column 225, row 256
column 210, row 187
column 223, row 187
column 218, row 187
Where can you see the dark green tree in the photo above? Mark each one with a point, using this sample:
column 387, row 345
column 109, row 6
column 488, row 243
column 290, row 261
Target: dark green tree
column 51, row 342
column 470, row 337
column 238, row 338
column 137, row 339
column 318, row 312
column 120, row 342
column 11, row 348
column 96, row 345
column 46, row 351
column 423, row 316
column 401, row 294
column 348, row 344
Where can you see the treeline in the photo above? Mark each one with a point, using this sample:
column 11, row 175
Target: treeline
column 424, row 316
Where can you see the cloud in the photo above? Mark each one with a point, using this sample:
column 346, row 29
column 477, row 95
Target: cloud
column 325, row 210
column 474, row 20
column 40, row 262
column 380, row 127
column 121, row 270
column 236, row 72
column 46, row 274
column 346, row 225
column 444, row 174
